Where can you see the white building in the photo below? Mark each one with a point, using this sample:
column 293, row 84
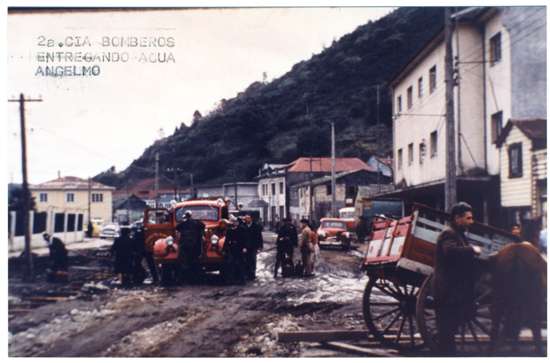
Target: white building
column 500, row 55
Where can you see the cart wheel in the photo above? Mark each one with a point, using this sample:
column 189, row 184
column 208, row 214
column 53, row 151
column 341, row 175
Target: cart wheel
column 473, row 336
column 389, row 308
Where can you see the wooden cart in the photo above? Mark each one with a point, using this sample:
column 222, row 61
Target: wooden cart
column 397, row 303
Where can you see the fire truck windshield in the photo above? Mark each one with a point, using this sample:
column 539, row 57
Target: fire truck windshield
column 199, row 212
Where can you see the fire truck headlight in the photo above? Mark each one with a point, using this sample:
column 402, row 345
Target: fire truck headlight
column 170, row 241
column 214, row 240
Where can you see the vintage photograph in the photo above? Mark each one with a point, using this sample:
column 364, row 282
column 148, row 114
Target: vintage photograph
column 277, row 181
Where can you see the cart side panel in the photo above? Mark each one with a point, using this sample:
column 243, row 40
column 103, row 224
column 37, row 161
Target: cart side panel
column 385, row 249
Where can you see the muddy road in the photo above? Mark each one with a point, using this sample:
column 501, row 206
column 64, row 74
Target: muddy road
column 100, row 319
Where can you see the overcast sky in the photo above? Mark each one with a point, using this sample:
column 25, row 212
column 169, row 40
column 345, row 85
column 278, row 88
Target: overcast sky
column 86, row 124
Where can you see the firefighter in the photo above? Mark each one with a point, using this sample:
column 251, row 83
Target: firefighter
column 255, row 244
column 191, row 236
column 124, row 253
column 235, row 248
column 138, row 236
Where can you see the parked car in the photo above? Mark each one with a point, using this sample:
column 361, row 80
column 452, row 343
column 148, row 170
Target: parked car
column 109, row 230
column 334, row 232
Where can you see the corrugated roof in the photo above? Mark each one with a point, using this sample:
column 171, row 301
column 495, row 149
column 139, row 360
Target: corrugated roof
column 325, row 179
column 70, row 182
column 325, row 165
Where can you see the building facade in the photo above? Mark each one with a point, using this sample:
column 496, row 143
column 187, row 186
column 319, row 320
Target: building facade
column 501, row 74
column 242, row 194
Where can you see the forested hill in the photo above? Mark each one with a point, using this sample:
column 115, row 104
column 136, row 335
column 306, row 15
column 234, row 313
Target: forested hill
column 281, row 120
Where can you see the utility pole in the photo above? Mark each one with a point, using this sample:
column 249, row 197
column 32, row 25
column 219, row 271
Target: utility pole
column 450, row 159
column 176, row 186
column 333, row 170
column 26, row 203
column 156, row 179
column 89, row 200
column 310, row 169
column 378, row 134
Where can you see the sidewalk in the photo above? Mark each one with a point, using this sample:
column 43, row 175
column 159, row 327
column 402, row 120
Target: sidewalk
column 81, row 245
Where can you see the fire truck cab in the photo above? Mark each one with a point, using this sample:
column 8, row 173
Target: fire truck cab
column 161, row 238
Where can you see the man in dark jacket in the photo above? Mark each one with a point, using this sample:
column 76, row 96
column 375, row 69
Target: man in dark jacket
column 138, row 236
column 235, row 248
column 454, row 277
column 290, row 231
column 191, row 235
column 124, row 253
column 255, row 244
column 58, row 254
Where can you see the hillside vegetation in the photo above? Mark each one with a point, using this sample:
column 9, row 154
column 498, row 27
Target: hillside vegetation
column 281, row 120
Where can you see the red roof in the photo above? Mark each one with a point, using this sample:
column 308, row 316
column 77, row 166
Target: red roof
column 70, row 182
column 325, row 165
column 145, row 188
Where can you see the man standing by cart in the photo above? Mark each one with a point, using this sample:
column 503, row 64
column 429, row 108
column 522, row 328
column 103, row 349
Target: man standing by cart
column 454, row 277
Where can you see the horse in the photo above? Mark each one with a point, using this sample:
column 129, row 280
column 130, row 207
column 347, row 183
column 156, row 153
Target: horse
column 519, row 280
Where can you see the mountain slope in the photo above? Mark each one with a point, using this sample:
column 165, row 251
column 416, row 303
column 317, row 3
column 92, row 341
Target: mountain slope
column 279, row 121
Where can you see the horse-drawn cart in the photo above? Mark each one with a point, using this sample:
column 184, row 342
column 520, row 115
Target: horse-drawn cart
column 397, row 303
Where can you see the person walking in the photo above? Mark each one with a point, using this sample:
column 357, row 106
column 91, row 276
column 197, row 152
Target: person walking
column 190, row 234
column 235, row 248
column 123, row 250
column 306, row 247
column 455, row 274
column 255, row 244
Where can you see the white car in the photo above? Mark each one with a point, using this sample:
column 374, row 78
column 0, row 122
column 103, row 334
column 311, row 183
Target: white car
column 109, row 230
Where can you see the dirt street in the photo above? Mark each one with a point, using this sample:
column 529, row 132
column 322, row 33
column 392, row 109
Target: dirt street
column 202, row 320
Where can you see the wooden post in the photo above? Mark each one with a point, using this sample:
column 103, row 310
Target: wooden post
column 450, row 159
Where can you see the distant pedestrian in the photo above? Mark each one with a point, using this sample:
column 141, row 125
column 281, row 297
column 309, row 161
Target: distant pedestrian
column 255, row 244
column 306, row 247
column 191, row 235
column 316, row 254
column 90, row 230
column 290, row 231
column 58, row 256
column 235, row 248
column 124, row 253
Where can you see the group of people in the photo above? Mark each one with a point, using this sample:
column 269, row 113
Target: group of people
column 243, row 241
column 287, row 241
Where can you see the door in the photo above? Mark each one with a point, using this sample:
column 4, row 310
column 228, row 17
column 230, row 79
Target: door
column 157, row 223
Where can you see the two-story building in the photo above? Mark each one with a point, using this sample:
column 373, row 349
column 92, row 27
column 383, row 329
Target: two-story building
column 273, row 193
column 500, row 59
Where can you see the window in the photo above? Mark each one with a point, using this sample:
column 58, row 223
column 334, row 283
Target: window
column 70, row 197
column 433, row 144
column 433, row 80
column 411, row 154
column 420, row 88
column 281, row 188
column 409, row 97
column 399, row 105
column 400, row 159
column 496, row 125
column 494, row 48
column 421, row 152
column 43, row 197
column 515, row 164
column 282, row 211
column 97, row 198
column 329, row 189
column 272, row 188
column 301, row 192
